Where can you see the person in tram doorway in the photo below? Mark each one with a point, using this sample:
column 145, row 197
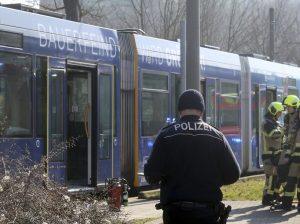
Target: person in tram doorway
column 291, row 148
column 272, row 140
column 191, row 160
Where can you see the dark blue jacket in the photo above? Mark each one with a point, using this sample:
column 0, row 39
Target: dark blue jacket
column 191, row 160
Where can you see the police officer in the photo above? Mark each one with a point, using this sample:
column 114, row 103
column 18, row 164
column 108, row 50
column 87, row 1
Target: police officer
column 272, row 140
column 191, row 160
column 292, row 136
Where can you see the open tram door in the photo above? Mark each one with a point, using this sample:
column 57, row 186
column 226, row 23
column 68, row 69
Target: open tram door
column 56, row 149
column 90, row 124
column 266, row 95
column 80, row 136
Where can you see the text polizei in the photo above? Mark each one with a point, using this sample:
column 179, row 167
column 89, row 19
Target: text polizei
column 192, row 126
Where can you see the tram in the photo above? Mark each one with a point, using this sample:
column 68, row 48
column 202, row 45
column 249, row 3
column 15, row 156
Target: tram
column 92, row 99
column 60, row 95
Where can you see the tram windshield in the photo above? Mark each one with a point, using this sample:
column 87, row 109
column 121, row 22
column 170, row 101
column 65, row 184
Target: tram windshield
column 15, row 94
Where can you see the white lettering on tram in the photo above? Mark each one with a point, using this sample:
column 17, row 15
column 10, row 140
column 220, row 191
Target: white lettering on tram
column 74, row 41
column 156, row 55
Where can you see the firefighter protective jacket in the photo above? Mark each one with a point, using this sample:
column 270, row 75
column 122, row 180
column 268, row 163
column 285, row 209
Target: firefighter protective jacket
column 272, row 137
column 291, row 124
column 191, row 160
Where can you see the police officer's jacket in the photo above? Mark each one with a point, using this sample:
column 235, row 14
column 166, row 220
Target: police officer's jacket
column 272, row 137
column 191, row 160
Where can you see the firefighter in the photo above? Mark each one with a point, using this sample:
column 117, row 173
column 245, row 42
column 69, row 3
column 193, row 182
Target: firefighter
column 291, row 147
column 191, row 160
column 272, row 140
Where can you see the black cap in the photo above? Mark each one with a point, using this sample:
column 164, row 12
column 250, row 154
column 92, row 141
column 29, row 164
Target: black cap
column 191, row 99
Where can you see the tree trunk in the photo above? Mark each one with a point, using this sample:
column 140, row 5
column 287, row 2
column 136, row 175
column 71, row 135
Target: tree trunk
column 73, row 10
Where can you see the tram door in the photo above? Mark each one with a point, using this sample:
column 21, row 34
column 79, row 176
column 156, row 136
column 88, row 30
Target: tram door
column 56, row 120
column 105, row 123
column 266, row 95
column 79, row 128
column 209, row 91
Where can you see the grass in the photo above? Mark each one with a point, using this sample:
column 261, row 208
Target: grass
column 244, row 190
column 248, row 189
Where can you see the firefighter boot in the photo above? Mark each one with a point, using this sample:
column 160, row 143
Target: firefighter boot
column 267, row 200
column 286, row 204
column 277, row 197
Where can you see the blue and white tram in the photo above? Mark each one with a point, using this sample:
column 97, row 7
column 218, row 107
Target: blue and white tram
column 263, row 82
column 152, row 68
column 59, row 95
column 237, row 90
column 93, row 99
column 155, row 76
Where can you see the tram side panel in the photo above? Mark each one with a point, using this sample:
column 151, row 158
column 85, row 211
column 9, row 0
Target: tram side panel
column 223, row 104
column 52, row 37
column 158, row 84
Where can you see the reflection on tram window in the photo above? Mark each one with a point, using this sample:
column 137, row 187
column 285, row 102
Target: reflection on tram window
column 154, row 103
column 15, row 94
column 229, row 108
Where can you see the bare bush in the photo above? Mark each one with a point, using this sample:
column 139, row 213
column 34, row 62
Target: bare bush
column 28, row 196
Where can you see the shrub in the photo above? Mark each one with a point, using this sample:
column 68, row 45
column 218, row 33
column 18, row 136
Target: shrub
column 27, row 196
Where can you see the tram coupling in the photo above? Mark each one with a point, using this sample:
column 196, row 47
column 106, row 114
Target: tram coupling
column 117, row 192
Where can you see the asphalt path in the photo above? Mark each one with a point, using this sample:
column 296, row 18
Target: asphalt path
column 243, row 212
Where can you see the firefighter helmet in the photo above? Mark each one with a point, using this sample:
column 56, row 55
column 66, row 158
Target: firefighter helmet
column 291, row 101
column 275, row 107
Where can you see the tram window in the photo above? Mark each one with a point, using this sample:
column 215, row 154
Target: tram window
column 56, row 114
column 11, row 39
column 210, row 103
column 154, row 103
column 229, row 108
column 270, row 97
column 154, row 81
column 176, row 90
column 41, row 96
column 254, row 109
column 293, row 92
column 105, row 121
column 15, row 94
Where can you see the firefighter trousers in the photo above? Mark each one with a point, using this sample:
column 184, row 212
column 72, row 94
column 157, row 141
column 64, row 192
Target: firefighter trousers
column 282, row 173
column 292, row 185
column 270, row 181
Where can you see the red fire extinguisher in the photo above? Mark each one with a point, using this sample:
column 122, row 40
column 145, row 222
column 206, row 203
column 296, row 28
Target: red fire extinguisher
column 117, row 191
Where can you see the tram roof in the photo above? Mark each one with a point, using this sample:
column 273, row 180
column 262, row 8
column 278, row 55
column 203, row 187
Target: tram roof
column 170, row 50
column 37, row 22
column 273, row 68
